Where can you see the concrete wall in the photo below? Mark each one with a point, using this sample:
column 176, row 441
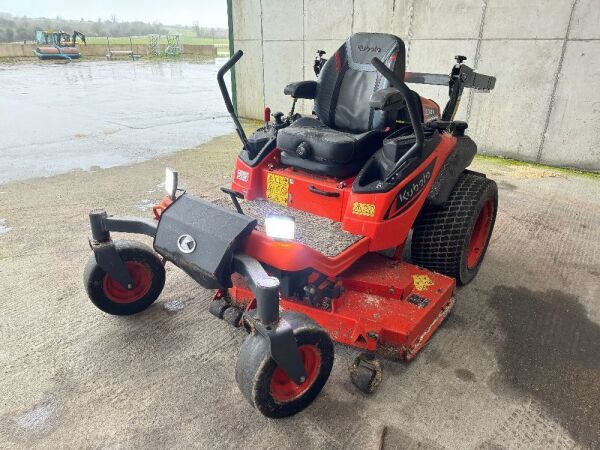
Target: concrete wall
column 26, row 50
column 16, row 50
column 544, row 53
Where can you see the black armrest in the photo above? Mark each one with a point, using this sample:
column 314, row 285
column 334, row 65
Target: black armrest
column 388, row 99
column 301, row 89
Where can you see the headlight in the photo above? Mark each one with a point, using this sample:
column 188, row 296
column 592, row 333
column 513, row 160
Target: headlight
column 171, row 183
column 280, row 227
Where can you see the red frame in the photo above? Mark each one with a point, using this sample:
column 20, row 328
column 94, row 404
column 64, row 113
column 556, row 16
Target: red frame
column 374, row 312
column 380, row 232
column 387, row 305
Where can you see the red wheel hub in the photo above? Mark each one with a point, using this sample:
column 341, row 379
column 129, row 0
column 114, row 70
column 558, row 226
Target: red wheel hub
column 480, row 235
column 142, row 280
column 283, row 389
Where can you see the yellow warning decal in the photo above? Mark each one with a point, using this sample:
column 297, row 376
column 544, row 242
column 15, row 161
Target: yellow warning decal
column 363, row 209
column 421, row 282
column 277, row 188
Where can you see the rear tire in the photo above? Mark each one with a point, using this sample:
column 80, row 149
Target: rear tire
column 147, row 271
column 453, row 239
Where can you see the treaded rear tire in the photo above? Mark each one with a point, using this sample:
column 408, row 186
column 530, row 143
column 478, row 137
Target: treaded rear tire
column 442, row 236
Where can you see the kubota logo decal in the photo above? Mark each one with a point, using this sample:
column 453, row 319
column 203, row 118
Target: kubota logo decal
column 410, row 191
column 366, row 48
column 186, row 243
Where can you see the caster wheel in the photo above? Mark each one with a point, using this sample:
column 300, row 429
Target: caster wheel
column 147, row 271
column 233, row 316
column 267, row 387
column 366, row 373
column 218, row 307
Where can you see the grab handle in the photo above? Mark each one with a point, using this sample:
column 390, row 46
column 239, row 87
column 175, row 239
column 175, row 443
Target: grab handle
column 415, row 120
column 316, row 190
column 227, row 99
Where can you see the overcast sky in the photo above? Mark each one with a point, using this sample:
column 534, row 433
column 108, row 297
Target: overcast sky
column 208, row 13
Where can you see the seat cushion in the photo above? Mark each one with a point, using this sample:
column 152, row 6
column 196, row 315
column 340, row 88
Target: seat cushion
column 329, row 169
column 325, row 144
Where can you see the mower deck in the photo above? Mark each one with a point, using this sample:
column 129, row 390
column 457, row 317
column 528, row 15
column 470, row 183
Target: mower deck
column 386, row 306
column 319, row 233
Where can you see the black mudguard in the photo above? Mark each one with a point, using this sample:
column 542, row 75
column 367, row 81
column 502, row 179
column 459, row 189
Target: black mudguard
column 453, row 167
column 215, row 234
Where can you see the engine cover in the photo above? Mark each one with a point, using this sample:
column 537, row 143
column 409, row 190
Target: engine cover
column 200, row 237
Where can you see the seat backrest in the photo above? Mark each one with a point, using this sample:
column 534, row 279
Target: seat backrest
column 348, row 79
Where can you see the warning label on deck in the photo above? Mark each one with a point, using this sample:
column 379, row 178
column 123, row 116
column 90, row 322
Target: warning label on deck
column 421, row 282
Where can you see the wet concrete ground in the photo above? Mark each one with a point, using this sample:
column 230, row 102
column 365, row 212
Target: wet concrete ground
column 515, row 365
column 56, row 117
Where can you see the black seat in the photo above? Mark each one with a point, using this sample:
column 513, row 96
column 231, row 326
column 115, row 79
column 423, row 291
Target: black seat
column 332, row 152
column 346, row 131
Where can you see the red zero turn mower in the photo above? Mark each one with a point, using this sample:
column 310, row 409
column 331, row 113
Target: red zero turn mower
column 308, row 247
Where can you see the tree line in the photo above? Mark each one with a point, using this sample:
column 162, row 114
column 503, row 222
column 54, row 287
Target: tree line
column 206, row 32
column 19, row 29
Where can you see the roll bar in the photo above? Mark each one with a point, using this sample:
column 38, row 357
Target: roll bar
column 415, row 120
column 227, row 99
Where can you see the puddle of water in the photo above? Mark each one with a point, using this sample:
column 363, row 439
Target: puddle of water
column 174, row 306
column 551, row 353
column 465, row 375
column 119, row 113
column 4, row 228
column 145, row 205
column 36, row 418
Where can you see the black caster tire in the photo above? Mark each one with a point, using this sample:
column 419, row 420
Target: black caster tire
column 147, row 271
column 233, row 316
column 267, row 387
column 218, row 307
column 453, row 239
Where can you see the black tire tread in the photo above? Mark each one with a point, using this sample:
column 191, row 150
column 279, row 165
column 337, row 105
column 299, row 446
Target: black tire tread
column 440, row 235
column 129, row 250
column 254, row 365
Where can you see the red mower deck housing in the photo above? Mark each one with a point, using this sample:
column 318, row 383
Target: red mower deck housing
column 387, row 306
